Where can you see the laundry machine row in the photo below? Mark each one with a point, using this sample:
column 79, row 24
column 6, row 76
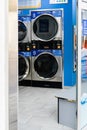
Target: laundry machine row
column 24, row 64
column 24, row 50
column 24, row 29
column 44, row 52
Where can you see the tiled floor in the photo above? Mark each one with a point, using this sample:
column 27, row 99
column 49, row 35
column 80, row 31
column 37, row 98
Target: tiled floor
column 38, row 109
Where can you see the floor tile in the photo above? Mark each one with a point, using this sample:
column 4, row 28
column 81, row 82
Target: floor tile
column 38, row 109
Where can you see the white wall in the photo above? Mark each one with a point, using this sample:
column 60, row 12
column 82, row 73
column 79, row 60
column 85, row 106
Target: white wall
column 13, row 67
column 3, row 67
column 6, row 32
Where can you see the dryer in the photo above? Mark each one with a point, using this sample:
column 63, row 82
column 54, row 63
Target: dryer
column 24, row 64
column 46, row 24
column 47, row 64
column 24, row 29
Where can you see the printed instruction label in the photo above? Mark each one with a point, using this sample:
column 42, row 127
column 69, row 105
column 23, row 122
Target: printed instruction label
column 58, row 1
column 23, row 4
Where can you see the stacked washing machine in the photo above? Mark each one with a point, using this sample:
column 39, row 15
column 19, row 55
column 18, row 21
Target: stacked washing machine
column 47, row 44
column 24, row 50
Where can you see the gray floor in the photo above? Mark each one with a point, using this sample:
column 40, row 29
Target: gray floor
column 38, row 109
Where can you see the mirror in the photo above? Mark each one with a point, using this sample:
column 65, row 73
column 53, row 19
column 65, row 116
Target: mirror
column 81, row 73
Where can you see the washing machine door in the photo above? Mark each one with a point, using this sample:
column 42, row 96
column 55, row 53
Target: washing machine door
column 23, row 67
column 46, row 66
column 45, row 27
column 22, row 31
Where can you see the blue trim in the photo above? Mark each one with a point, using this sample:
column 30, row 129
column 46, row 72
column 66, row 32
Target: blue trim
column 54, row 52
column 55, row 13
column 24, row 18
column 74, row 12
column 25, row 12
column 26, row 54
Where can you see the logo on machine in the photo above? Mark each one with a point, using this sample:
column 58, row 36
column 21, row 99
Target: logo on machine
column 84, row 99
column 58, row 1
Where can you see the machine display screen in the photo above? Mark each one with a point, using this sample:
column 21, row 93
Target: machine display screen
column 43, row 25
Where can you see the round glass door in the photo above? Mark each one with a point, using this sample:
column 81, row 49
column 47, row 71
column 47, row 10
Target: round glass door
column 23, row 67
column 46, row 66
column 22, row 31
column 45, row 27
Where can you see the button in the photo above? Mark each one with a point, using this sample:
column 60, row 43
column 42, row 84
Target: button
column 34, row 47
column 28, row 49
column 58, row 47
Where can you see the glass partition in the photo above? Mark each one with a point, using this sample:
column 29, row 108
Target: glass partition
column 82, row 66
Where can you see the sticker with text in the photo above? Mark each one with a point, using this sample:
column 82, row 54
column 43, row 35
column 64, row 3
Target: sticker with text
column 58, row 1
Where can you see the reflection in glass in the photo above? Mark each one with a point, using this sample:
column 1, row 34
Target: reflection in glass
column 84, row 70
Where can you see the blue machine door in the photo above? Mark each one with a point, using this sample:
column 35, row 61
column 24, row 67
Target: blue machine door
column 46, row 65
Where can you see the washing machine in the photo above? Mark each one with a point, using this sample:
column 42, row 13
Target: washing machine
column 24, row 29
column 24, row 64
column 46, row 24
column 47, row 64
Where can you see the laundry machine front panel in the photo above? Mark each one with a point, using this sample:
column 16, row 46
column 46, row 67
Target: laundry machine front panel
column 24, row 61
column 46, row 66
column 47, row 62
column 24, row 67
column 24, row 29
column 47, row 25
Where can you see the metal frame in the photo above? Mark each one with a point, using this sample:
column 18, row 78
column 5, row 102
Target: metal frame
column 37, row 36
column 49, row 15
column 56, row 61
